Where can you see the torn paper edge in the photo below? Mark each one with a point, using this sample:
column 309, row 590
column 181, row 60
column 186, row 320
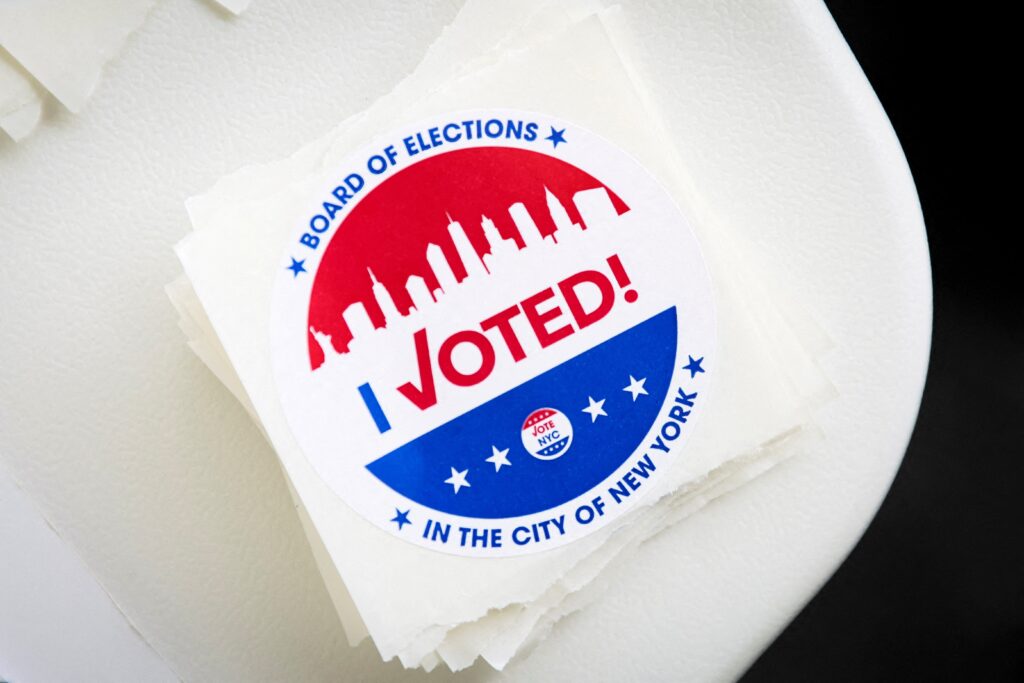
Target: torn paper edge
column 21, row 99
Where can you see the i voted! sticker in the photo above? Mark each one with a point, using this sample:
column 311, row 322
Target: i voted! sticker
column 492, row 332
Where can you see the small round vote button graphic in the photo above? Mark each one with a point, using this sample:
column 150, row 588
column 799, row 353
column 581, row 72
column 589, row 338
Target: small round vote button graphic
column 547, row 434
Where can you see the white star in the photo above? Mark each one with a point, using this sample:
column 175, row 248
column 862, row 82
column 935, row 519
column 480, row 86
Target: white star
column 595, row 408
column 458, row 479
column 499, row 458
column 636, row 387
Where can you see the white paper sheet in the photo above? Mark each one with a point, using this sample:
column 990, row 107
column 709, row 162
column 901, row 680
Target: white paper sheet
column 65, row 43
column 524, row 618
column 234, row 6
column 21, row 99
column 236, row 313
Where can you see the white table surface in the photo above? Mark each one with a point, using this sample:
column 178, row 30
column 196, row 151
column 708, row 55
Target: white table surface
column 140, row 460
column 56, row 620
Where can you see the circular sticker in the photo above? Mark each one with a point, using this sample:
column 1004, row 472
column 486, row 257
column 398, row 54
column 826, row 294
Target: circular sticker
column 547, row 433
column 492, row 332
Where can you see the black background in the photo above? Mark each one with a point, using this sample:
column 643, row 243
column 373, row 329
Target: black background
column 935, row 589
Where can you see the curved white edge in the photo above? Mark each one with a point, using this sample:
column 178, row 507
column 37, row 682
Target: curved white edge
column 918, row 277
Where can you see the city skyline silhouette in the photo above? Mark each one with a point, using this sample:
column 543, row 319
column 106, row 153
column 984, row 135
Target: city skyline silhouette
column 501, row 251
column 490, row 209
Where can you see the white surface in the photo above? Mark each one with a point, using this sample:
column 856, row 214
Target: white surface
column 98, row 392
column 57, row 624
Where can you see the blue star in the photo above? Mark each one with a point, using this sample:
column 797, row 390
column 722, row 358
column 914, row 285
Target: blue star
column 401, row 518
column 694, row 366
column 556, row 136
column 296, row 267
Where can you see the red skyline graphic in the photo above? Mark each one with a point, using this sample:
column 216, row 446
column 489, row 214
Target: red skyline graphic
column 434, row 224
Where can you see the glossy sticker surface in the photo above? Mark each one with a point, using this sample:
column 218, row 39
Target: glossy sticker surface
column 492, row 332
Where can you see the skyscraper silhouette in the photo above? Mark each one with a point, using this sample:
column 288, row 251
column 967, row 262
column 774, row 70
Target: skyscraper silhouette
column 357, row 320
column 528, row 230
column 558, row 213
column 467, row 254
column 440, row 267
column 384, row 301
column 594, row 206
column 418, row 292
column 499, row 248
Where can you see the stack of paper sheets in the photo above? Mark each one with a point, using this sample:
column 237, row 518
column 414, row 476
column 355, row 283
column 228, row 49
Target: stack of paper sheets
column 426, row 605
